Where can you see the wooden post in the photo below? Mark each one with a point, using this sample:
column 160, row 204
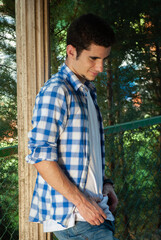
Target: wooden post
column 32, row 71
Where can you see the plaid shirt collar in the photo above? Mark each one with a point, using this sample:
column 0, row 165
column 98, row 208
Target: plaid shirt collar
column 75, row 82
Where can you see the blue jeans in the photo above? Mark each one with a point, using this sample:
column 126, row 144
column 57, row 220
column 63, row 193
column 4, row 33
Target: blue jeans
column 85, row 231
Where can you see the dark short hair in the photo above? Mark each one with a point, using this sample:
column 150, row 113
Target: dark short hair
column 88, row 29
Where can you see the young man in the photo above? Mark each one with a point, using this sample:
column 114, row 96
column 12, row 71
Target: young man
column 71, row 193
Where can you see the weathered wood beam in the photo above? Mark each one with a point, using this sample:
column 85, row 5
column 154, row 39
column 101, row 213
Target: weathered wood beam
column 32, row 26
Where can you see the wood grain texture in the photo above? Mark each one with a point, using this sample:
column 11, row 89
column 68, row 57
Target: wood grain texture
column 32, row 24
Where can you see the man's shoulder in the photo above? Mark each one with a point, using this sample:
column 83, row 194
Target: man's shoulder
column 57, row 83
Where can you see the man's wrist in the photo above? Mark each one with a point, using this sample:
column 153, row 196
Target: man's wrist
column 109, row 181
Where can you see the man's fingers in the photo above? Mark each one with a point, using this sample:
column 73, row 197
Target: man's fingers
column 101, row 215
column 113, row 201
column 91, row 212
column 100, row 211
column 98, row 221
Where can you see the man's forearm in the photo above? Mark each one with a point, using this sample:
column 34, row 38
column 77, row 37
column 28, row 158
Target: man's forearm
column 55, row 177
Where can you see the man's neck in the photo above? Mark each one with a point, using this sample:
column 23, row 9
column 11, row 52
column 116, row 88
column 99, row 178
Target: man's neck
column 81, row 78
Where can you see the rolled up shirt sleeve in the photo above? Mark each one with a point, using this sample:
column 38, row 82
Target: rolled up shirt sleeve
column 49, row 120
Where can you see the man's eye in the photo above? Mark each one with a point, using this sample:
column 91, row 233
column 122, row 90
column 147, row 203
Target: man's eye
column 93, row 58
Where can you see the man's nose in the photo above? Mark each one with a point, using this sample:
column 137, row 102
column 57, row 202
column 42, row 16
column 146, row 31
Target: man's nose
column 99, row 66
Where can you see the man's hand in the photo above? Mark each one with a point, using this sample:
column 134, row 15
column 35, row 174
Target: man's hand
column 91, row 212
column 113, row 200
column 56, row 178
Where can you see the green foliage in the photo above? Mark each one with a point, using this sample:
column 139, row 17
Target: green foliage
column 62, row 13
column 7, row 7
column 134, row 163
column 8, row 122
column 8, row 86
column 9, row 197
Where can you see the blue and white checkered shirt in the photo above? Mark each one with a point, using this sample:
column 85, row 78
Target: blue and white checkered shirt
column 61, row 133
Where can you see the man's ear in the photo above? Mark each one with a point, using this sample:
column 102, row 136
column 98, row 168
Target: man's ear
column 71, row 51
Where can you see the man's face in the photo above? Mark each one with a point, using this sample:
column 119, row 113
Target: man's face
column 89, row 63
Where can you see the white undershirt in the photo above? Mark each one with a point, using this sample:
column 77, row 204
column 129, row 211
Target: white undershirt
column 94, row 179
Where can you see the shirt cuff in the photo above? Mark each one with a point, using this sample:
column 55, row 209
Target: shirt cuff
column 39, row 154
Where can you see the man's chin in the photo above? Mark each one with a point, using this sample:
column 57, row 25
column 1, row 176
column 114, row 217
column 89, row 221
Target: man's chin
column 90, row 79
